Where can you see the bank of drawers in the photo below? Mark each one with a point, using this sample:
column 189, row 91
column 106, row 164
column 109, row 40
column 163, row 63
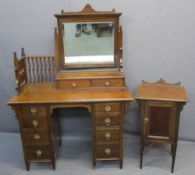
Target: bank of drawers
column 90, row 83
column 35, row 133
column 107, row 131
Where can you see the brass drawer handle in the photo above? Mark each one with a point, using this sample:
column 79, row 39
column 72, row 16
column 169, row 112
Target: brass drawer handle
column 107, row 108
column 107, row 136
column 107, row 151
column 74, row 84
column 146, row 120
column 107, row 83
column 33, row 111
column 35, row 123
column 38, row 153
column 107, row 121
column 37, row 136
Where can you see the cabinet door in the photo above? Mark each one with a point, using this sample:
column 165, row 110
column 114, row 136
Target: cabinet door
column 159, row 121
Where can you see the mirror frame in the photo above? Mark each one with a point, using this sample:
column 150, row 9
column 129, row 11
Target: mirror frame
column 88, row 14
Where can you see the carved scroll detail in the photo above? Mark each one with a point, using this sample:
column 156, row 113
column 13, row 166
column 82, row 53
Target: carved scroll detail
column 162, row 82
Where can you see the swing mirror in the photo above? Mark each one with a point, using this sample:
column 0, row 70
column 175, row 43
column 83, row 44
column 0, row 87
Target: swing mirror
column 88, row 39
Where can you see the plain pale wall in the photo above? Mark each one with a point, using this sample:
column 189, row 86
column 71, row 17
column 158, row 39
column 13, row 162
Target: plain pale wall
column 159, row 42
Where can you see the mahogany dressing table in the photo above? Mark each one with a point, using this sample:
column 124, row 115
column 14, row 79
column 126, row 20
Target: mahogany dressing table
column 73, row 78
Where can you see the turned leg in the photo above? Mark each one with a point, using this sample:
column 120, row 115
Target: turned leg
column 174, row 150
column 141, row 105
column 174, row 145
column 54, row 164
column 141, row 153
column 94, row 163
column 121, row 164
column 141, row 148
column 27, row 164
column 60, row 141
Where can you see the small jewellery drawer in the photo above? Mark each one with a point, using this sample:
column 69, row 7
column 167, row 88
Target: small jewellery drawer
column 108, row 83
column 38, row 152
column 70, row 84
column 34, row 122
column 32, row 111
column 107, row 151
column 107, row 135
column 37, row 136
column 107, row 107
column 110, row 119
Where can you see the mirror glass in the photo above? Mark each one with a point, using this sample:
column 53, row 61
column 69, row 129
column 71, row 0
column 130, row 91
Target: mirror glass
column 88, row 43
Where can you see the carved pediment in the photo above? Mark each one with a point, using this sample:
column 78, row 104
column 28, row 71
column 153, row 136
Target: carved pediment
column 88, row 9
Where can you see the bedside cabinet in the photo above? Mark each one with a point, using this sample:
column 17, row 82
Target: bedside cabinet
column 160, row 106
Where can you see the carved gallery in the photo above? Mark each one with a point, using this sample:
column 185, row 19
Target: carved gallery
column 82, row 107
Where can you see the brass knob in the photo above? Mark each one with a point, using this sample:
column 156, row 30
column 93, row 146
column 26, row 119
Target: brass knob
column 33, row 111
column 38, row 153
column 107, row 108
column 37, row 136
column 107, row 83
column 107, row 121
column 146, row 120
column 107, row 136
column 35, row 123
column 107, row 151
column 74, row 84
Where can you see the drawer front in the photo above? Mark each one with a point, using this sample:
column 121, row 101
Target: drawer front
column 71, row 84
column 34, row 122
column 38, row 152
column 32, row 111
column 37, row 136
column 107, row 135
column 108, row 83
column 108, row 119
column 107, row 151
column 107, row 107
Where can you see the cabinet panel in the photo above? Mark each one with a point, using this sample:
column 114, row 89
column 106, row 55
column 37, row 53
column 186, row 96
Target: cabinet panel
column 159, row 122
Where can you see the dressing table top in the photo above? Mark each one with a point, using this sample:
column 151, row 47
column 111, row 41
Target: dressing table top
column 47, row 93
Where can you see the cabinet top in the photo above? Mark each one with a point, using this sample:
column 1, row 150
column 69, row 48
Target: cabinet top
column 161, row 90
